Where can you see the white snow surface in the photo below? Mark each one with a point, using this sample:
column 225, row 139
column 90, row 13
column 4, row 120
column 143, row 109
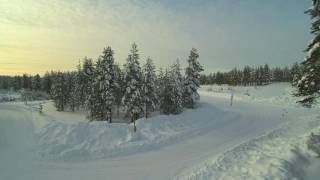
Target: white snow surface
column 9, row 96
column 262, row 136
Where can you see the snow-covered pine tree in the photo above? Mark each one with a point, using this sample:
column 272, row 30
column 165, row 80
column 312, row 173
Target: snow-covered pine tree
column 36, row 83
column 26, row 82
column 277, row 74
column 296, row 73
column 47, row 82
column 119, row 90
column 246, row 75
column 309, row 84
column 86, row 79
column 204, row 79
column 71, row 93
column 89, row 91
column 93, row 99
column 166, row 104
column 176, row 81
column 133, row 100
column 17, row 83
column 171, row 101
column 253, row 76
column 266, row 74
column 58, row 92
column 261, row 77
column 257, row 76
column 149, row 87
column 233, row 77
column 105, row 80
column 77, row 90
column 219, row 78
column 286, row 74
column 192, row 79
column 160, row 81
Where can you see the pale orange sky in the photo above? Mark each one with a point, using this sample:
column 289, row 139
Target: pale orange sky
column 42, row 35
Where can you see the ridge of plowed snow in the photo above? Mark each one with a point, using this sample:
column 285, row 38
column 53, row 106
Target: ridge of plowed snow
column 91, row 140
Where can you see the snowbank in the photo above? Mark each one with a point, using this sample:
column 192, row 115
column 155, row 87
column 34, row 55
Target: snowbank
column 91, row 140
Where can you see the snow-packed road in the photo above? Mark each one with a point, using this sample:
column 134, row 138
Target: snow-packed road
column 16, row 142
column 237, row 124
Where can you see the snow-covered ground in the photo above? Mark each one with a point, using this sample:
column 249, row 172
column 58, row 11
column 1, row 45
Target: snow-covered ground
column 262, row 136
column 6, row 96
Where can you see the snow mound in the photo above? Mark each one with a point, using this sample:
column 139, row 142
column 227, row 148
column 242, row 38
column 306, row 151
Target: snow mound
column 91, row 140
column 279, row 154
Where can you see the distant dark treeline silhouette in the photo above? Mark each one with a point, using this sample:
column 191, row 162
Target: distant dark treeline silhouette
column 252, row 76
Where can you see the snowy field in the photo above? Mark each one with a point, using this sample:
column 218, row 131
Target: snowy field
column 262, row 136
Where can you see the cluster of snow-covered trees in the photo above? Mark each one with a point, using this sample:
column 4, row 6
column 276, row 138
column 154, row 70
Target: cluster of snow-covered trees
column 102, row 87
column 308, row 84
column 252, row 76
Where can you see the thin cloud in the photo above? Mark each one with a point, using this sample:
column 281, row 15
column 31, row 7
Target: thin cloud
column 227, row 33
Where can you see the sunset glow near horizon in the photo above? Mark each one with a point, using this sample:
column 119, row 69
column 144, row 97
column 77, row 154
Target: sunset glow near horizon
column 43, row 35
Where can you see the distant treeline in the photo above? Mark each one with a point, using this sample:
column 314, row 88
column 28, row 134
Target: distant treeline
column 26, row 82
column 252, row 76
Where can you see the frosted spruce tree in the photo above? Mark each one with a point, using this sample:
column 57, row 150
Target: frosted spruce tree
column 165, row 93
column 309, row 84
column 296, row 73
column 119, row 90
column 171, row 95
column 90, row 90
column 133, row 100
column 46, row 83
column 266, row 74
column 106, row 84
column 160, row 81
column 59, row 92
column 71, row 91
column 192, row 80
column 93, row 99
column 79, row 87
column 176, row 81
column 36, row 83
column 86, row 73
column 149, row 87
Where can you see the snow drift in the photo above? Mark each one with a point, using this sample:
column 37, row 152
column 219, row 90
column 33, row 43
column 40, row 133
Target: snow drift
column 91, row 140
